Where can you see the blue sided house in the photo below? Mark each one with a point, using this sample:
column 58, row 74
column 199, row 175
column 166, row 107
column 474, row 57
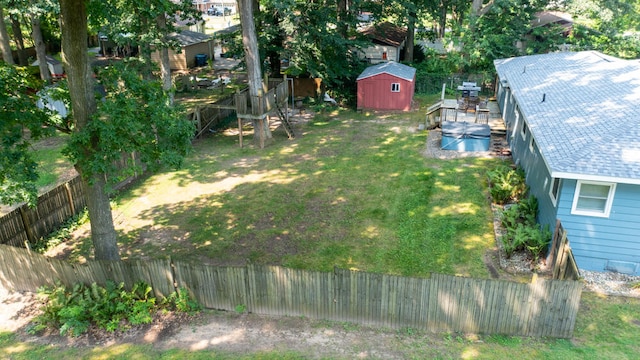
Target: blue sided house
column 573, row 125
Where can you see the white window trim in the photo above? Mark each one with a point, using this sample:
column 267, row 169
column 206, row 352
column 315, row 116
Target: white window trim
column 523, row 130
column 607, row 207
column 531, row 145
column 554, row 198
column 392, row 86
column 515, row 123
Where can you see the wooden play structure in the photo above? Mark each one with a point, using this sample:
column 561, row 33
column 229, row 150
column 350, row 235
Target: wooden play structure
column 261, row 107
column 246, row 107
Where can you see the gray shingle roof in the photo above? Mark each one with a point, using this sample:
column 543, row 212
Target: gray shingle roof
column 588, row 126
column 392, row 68
column 186, row 37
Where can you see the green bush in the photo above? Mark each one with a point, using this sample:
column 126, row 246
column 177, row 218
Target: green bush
column 183, row 302
column 110, row 307
column 507, row 184
column 522, row 230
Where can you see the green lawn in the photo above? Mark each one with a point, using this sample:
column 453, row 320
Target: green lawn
column 355, row 191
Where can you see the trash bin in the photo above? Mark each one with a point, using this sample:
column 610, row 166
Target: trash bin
column 201, row 59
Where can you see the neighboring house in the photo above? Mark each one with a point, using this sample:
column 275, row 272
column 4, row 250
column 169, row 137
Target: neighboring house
column 573, row 124
column 191, row 44
column 386, row 86
column 387, row 42
column 206, row 5
column 563, row 22
column 55, row 67
column 548, row 18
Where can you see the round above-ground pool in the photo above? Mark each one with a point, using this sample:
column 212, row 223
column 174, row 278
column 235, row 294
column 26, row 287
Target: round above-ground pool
column 464, row 136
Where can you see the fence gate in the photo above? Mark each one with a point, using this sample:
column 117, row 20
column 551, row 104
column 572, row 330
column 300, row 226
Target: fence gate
column 563, row 264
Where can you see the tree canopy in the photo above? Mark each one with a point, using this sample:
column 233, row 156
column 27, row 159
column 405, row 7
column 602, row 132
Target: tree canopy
column 22, row 123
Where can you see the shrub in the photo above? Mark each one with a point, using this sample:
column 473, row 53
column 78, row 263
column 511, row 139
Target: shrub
column 522, row 231
column 506, row 184
column 110, row 307
column 183, row 302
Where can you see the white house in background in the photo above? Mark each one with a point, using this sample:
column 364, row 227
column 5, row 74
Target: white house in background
column 387, row 41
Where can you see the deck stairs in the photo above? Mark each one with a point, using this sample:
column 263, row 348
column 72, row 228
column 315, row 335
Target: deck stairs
column 286, row 124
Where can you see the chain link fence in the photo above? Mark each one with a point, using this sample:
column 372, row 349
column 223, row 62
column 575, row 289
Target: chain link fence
column 432, row 83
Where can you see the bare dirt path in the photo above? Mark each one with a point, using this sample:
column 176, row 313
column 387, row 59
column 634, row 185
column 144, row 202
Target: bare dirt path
column 236, row 334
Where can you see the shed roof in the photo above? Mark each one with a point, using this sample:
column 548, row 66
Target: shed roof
column 186, row 37
column 583, row 109
column 386, row 33
column 392, row 68
column 50, row 60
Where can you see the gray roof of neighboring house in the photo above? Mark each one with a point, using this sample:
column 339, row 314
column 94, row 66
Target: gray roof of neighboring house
column 186, row 37
column 392, row 68
column 588, row 126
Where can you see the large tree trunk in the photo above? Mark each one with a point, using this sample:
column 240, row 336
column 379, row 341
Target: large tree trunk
column 342, row 12
column 411, row 29
column 5, row 46
column 442, row 21
column 165, row 63
column 41, row 52
column 18, row 39
column 254, row 73
column 73, row 23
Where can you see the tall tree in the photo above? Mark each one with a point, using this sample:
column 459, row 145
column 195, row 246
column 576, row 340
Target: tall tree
column 15, row 14
column 253, row 63
column 36, row 9
column 73, row 21
column 5, row 46
column 493, row 34
column 135, row 115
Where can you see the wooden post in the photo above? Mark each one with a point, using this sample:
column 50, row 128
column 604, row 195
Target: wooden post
column 554, row 244
column 27, row 225
column 261, row 132
column 70, row 197
column 240, row 130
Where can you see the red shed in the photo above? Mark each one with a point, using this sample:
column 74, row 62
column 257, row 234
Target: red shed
column 386, row 86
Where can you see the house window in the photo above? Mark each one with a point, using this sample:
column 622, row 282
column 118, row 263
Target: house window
column 593, row 198
column 524, row 130
column 395, row 87
column 553, row 191
column 532, row 145
column 515, row 122
column 384, row 55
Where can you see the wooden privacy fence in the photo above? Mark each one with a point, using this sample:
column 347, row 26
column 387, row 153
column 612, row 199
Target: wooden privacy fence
column 26, row 225
column 563, row 264
column 439, row 303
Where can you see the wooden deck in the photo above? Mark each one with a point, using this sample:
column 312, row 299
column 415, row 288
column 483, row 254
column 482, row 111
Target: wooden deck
column 448, row 110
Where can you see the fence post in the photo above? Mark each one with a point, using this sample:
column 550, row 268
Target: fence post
column 70, row 197
column 27, row 225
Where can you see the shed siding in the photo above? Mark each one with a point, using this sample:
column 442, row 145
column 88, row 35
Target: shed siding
column 375, row 93
column 374, row 53
column 187, row 57
column 596, row 240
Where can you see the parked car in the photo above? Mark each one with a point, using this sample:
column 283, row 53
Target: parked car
column 214, row 12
